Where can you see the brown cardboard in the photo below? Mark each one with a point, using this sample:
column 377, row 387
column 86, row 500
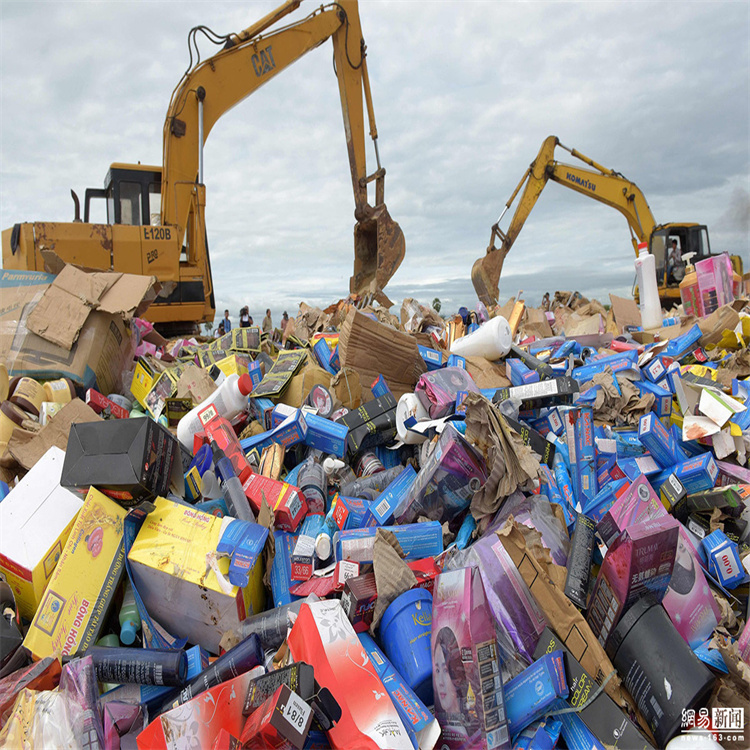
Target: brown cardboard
column 375, row 349
column 74, row 294
column 486, row 374
column 300, row 385
column 536, row 323
column 626, row 312
column 714, row 325
column 560, row 612
column 195, row 383
column 346, row 387
column 392, row 575
column 96, row 359
column 55, row 432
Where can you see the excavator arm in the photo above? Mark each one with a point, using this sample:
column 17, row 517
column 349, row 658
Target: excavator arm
column 250, row 59
column 601, row 184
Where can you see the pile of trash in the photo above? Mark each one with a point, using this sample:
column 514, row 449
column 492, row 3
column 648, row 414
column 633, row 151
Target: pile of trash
column 510, row 528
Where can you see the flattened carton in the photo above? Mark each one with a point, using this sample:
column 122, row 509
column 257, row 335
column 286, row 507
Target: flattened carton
column 82, row 588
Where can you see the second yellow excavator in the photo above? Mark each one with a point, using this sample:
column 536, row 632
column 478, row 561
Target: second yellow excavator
column 608, row 187
column 156, row 215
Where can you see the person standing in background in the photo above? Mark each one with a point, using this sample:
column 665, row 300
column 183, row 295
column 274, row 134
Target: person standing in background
column 267, row 323
column 227, row 322
column 245, row 319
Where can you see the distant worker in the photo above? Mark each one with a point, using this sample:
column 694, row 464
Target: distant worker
column 220, row 331
column 267, row 324
column 674, row 263
column 245, row 319
column 227, row 322
column 284, row 321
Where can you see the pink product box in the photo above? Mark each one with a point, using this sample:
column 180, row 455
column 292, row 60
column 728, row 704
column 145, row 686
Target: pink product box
column 637, row 504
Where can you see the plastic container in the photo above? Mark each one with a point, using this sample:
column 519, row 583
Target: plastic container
column 61, row 391
column 141, row 666
column 492, row 340
column 405, row 636
column 130, row 619
column 658, row 668
column 689, row 294
column 313, row 483
column 648, row 289
column 28, row 395
column 320, row 398
column 230, row 398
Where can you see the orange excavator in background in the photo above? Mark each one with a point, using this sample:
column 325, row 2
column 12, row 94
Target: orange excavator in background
column 608, row 187
column 156, row 215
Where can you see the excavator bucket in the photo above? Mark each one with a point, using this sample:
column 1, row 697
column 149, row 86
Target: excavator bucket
column 379, row 248
column 485, row 275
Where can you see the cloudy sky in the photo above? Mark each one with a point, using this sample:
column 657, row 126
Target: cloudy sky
column 464, row 95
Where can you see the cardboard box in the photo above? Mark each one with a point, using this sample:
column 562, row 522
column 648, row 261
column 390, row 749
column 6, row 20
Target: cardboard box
column 129, row 460
column 77, row 600
column 35, row 521
column 96, row 356
column 168, row 562
column 324, row 638
column 611, row 726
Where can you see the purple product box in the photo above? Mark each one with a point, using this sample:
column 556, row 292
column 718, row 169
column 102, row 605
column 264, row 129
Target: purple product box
column 637, row 504
column 639, row 560
column 529, row 695
column 585, row 471
column 659, row 441
column 447, row 481
column 383, row 507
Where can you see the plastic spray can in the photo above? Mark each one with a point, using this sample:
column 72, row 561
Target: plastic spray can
column 648, row 289
column 230, row 398
column 130, row 619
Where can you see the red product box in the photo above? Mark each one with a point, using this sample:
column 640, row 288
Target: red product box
column 358, row 601
column 104, row 406
column 219, row 429
column 288, row 503
column 226, row 741
column 280, row 722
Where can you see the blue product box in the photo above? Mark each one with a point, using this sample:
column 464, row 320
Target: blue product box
column 571, row 346
column 682, row 345
column 349, row 512
column 322, row 353
column 633, row 467
column 291, row 431
column 628, row 444
column 335, row 362
column 564, row 482
column 321, row 433
column 432, row 358
column 531, row 694
column 697, row 474
column 556, row 496
column 659, row 441
column 281, row 568
column 741, row 388
column 379, row 387
column 253, row 370
column 244, row 542
column 518, row 373
column 656, row 369
column 711, row 656
column 384, row 506
column 617, row 363
column 260, row 409
column 691, row 447
column 576, row 734
column 456, row 361
column 585, row 480
column 723, row 559
column 604, row 499
column 551, row 421
column 662, row 397
column 417, row 540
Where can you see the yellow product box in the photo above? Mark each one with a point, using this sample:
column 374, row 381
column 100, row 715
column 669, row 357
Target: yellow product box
column 234, row 364
column 144, row 377
column 173, row 560
column 35, row 521
column 77, row 600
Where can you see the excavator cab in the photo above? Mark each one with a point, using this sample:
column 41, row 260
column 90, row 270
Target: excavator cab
column 132, row 193
column 691, row 238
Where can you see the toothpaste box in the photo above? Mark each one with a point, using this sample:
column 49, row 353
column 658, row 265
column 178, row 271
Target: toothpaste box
column 290, row 432
column 322, row 434
column 531, row 694
column 35, row 521
column 638, row 503
column 77, row 600
column 349, row 511
column 659, row 441
column 324, row 638
column 585, row 451
column 639, row 560
column 168, row 561
column 616, row 362
column 681, row 345
column 518, row 373
column 417, row 540
column 662, row 397
column 281, row 569
column 467, row 678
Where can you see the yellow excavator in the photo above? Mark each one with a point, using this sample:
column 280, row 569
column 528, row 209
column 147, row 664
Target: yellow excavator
column 155, row 215
column 608, row 187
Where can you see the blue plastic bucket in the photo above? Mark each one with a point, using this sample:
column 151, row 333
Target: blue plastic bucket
column 405, row 635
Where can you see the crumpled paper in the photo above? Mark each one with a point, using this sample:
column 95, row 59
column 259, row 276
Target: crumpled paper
column 510, row 463
column 616, row 408
column 392, row 575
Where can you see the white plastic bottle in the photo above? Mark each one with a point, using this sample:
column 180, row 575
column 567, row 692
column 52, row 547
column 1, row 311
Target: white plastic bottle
column 230, row 398
column 491, row 340
column 648, row 289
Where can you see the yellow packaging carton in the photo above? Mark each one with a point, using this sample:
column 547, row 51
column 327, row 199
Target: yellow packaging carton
column 35, row 522
column 173, row 561
column 82, row 588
